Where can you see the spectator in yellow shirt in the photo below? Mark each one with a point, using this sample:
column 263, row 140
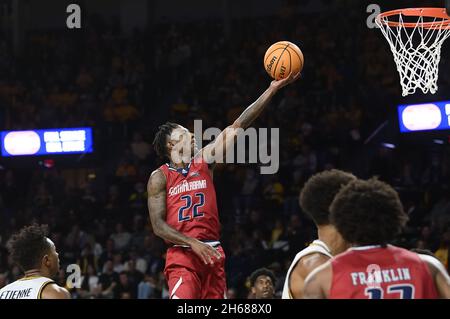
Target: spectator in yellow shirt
column 442, row 252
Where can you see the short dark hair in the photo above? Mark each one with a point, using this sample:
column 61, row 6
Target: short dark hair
column 28, row 246
column 261, row 272
column 368, row 212
column 160, row 140
column 319, row 191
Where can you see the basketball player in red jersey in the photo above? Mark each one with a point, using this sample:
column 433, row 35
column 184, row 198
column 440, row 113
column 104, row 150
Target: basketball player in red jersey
column 369, row 215
column 182, row 204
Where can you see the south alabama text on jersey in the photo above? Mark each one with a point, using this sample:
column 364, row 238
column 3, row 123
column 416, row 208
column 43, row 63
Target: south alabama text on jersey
column 187, row 186
column 191, row 204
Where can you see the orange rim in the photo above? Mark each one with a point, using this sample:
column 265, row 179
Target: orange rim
column 417, row 12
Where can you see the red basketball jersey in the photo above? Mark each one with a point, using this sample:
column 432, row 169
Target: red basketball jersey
column 375, row 272
column 191, row 201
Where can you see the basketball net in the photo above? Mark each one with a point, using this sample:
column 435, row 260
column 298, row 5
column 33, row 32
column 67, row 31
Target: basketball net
column 416, row 49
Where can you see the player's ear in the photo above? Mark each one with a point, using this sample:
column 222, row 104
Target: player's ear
column 46, row 261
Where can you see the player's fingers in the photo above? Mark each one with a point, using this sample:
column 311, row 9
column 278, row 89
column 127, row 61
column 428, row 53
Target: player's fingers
column 212, row 253
column 217, row 254
column 206, row 254
column 209, row 259
column 297, row 76
column 202, row 255
column 293, row 77
column 283, row 80
column 289, row 77
column 203, row 259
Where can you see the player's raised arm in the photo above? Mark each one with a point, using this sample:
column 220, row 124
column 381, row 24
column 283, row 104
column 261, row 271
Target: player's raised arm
column 226, row 139
column 156, row 189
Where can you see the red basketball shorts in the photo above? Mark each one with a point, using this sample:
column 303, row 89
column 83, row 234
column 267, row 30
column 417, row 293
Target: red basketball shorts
column 189, row 278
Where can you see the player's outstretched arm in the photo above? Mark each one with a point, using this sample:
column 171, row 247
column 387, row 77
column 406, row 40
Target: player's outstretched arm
column 53, row 291
column 156, row 188
column 254, row 110
column 303, row 268
column 217, row 148
column 318, row 282
column 440, row 276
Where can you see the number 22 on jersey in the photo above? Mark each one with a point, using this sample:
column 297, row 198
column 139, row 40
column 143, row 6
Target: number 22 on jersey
column 190, row 209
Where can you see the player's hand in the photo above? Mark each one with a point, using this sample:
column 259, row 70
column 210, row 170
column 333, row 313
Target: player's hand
column 283, row 82
column 205, row 252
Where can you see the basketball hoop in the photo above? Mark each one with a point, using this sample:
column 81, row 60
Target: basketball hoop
column 415, row 37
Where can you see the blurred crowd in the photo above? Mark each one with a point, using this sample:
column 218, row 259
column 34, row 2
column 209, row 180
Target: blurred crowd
column 124, row 86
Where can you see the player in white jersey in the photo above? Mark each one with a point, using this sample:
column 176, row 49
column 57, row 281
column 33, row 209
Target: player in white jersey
column 36, row 255
column 315, row 199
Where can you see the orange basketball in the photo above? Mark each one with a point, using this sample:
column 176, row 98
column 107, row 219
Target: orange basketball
column 283, row 58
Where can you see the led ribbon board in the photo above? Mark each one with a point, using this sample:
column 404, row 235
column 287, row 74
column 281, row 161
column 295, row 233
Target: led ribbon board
column 424, row 117
column 47, row 142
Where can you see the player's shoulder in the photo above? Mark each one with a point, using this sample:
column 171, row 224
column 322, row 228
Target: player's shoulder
column 156, row 180
column 398, row 249
column 199, row 161
column 8, row 286
column 434, row 264
column 164, row 167
column 316, row 251
column 403, row 253
column 158, row 174
column 53, row 291
column 322, row 271
column 313, row 257
column 341, row 260
column 310, row 257
column 202, row 165
column 157, row 171
column 309, row 262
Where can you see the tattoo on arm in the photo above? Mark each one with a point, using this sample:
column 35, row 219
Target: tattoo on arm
column 156, row 189
column 254, row 110
column 226, row 139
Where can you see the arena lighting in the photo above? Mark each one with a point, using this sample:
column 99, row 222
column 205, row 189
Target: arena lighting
column 430, row 116
column 388, row 145
column 47, row 142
